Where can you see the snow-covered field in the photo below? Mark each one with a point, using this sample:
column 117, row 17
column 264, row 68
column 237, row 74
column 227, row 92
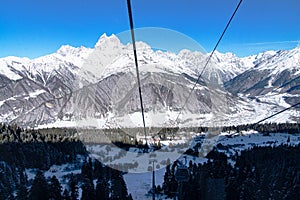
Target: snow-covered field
column 237, row 142
column 139, row 184
column 60, row 171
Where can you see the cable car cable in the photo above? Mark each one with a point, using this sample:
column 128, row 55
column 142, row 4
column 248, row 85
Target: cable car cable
column 273, row 115
column 208, row 60
column 136, row 66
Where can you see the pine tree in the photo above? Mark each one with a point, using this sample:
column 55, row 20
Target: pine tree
column 129, row 197
column 98, row 169
column 22, row 193
column 39, row 189
column 87, row 170
column 55, row 189
column 73, row 188
column 88, row 191
column 102, row 188
column 167, row 179
column 66, row 195
column 118, row 186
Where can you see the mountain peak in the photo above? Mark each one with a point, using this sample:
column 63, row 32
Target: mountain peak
column 70, row 51
column 108, row 41
column 64, row 49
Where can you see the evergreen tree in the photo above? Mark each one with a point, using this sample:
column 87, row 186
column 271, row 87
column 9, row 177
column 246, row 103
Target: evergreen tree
column 22, row 193
column 73, row 188
column 55, row 189
column 7, row 176
column 4, row 194
column 88, row 191
column 102, row 188
column 87, row 170
column 167, row 180
column 130, row 197
column 98, row 169
column 118, row 186
column 39, row 189
column 66, row 195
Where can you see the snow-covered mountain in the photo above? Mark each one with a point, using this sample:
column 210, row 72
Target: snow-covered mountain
column 99, row 83
column 275, row 78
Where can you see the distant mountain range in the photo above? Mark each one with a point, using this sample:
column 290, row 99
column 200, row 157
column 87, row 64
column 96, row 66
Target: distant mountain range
column 97, row 87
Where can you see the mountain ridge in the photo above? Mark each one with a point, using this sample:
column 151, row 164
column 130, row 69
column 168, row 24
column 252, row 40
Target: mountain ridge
column 49, row 85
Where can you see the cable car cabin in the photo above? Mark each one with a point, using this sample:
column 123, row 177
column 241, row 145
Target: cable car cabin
column 182, row 174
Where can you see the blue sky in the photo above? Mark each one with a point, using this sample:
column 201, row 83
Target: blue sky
column 34, row 28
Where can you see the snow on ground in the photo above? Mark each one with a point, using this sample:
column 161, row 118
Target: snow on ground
column 247, row 139
column 60, row 171
column 135, row 161
column 138, row 184
column 34, row 94
column 245, row 112
column 277, row 99
column 252, row 111
column 5, row 68
column 139, row 179
column 58, row 123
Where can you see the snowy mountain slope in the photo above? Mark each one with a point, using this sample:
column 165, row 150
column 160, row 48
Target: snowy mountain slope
column 275, row 79
column 79, row 83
